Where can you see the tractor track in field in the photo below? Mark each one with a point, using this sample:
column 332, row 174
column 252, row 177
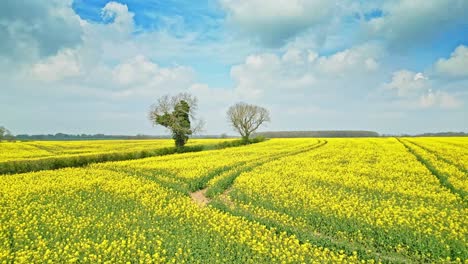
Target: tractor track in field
column 435, row 153
column 223, row 201
column 204, row 196
column 307, row 234
column 200, row 198
column 442, row 177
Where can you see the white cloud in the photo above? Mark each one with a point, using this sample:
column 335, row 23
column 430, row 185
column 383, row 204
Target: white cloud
column 276, row 21
column 439, row 99
column 456, row 65
column 351, row 60
column 415, row 91
column 117, row 69
column 118, row 13
column 296, row 56
column 135, row 71
column 63, row 65
column 297, row 71
column 33, row 29
column 312, row 56
column 419, row 76
column 331, row 24
column 269, row 72
column 111, row 63
column 139, row 76
column 407, row 83
column 406, row 22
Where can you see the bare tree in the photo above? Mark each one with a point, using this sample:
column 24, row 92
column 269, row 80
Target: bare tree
column 246, row 118
column 177, row 113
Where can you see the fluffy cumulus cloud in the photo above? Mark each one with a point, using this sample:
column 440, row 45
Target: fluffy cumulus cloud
column 63, row 65
column 107, row 59
column 89, row 69
column 358, row 59
column 299, row 83
column 139, row 70
column 273, row 22
column 141, row 77
column 297, row 71
column 407, row 83
column 103, row 74
column 135, row 71
column 330, row 24
column 406, row 22
column 119, row 15
column 416, row 91
column 33, row 29
column 440, row 99
column 456, row 65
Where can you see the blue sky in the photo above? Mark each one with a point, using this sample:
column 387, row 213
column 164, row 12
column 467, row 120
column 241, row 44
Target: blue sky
column 81, row 66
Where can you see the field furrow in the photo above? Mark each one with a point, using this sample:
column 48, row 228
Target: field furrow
column 449, row 175
column 456, row 155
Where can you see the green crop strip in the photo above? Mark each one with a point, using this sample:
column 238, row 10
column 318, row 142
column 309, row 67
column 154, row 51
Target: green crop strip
column 380, row 242
column 224, row 183
column 309, row 234
column 443, row 178
column 435, row 153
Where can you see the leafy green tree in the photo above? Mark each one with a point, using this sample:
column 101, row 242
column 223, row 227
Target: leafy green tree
column 2, row 133
column 5, row 134
column 177, row 114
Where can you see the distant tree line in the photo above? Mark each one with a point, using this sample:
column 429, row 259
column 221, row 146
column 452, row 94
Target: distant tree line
column 64, row 137
column 325, row 133
column 435, row 134
column 278, row 134
column 443, row 134
column 350, row 133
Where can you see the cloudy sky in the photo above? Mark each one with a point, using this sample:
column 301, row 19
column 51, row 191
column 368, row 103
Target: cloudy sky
column 79, row 66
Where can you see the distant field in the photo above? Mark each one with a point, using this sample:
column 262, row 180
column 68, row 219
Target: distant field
column 12, row 151
column 21, row 157
column 283, row 200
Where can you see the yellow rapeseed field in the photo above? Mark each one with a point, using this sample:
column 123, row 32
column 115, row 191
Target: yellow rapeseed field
column 31, row 150
column 280, row 201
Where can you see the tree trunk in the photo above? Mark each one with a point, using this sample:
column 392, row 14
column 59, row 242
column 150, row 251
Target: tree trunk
column 179, row 140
